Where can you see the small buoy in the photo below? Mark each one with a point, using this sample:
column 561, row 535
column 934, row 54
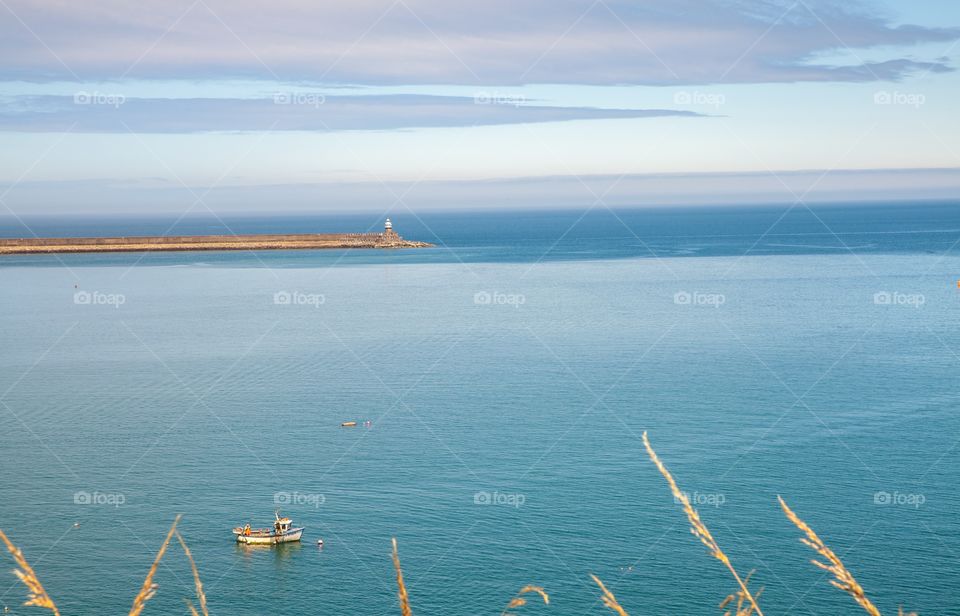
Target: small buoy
column 320, row 543
column 76, row 524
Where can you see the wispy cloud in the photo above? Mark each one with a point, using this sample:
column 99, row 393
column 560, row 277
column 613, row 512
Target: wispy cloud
column 96, row 112
column 438, row 42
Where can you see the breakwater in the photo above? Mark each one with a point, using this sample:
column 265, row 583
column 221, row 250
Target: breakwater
column 298, row 241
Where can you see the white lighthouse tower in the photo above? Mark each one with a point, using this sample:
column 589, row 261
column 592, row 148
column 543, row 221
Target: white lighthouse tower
column 388, row 228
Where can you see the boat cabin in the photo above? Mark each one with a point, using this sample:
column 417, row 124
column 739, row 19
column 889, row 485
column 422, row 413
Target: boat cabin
column 282, row 525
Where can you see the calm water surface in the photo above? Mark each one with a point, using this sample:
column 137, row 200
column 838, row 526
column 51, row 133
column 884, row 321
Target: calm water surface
column 508, row 375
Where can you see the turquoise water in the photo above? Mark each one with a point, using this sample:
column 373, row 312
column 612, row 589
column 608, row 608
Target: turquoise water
column 759, row 364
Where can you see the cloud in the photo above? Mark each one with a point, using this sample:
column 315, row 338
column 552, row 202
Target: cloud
column 498, row 42
column 103, row 112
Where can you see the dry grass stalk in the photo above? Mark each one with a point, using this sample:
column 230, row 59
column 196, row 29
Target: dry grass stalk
column 608, row 599
column 201, row 597
column 843, row 579
column 742, row 606
column 36, row 595
column 402, row 589
column 519, row 599
column 698, row 528
column 149, row 588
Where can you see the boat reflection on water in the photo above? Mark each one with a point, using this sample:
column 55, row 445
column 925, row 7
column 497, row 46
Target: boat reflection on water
column 283, row 550
column 281, row 554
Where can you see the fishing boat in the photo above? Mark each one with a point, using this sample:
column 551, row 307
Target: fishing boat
column 282, row 532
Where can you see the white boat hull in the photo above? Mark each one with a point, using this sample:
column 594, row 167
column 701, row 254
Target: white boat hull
column 291, row 535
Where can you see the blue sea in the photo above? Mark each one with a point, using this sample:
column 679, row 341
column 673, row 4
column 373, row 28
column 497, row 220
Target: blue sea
column 508, row 375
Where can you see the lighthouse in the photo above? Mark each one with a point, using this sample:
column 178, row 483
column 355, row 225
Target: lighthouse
column 388, row 229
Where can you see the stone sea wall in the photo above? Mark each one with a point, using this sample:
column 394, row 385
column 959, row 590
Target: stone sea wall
column 305, row 241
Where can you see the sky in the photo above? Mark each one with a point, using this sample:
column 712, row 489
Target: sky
column 194, row 106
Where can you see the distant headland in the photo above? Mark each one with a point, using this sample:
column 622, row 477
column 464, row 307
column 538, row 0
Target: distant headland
column 160, row 243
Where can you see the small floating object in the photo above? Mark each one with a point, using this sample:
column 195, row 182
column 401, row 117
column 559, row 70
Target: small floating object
column 76, row 524
column 348, row 424
column 368, row 424
column 319, row 543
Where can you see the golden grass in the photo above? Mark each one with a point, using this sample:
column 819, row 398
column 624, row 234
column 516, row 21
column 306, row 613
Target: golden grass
column 699, row 529
column 608, row 599
column 742, row 607
column 201, row 597
column 520, row 600
column 402, row 589
column 36, row 595
column 149, row 589
column 842, row 578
